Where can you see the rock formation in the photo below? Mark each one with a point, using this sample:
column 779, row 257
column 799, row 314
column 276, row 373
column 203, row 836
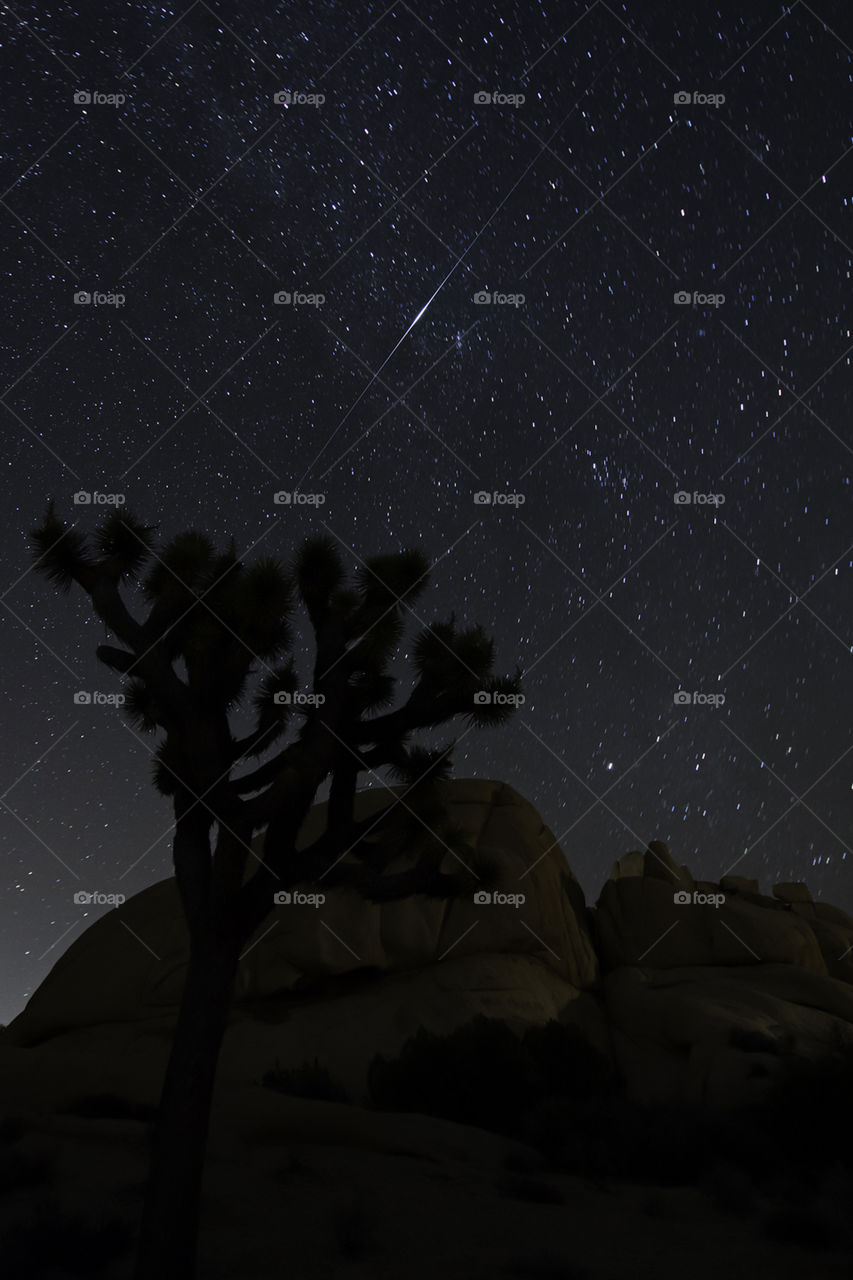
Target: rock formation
column 695, row 990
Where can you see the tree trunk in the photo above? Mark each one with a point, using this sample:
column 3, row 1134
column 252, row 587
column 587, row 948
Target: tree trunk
column 169, row 1229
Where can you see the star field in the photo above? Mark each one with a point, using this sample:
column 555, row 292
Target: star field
column 583, row 393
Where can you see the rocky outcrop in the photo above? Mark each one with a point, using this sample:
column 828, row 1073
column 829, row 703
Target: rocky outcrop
column 695, row 990
column 345, row 979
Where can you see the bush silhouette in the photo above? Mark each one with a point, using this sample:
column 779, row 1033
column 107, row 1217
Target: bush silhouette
column 484, row 1074
column 308, row 1081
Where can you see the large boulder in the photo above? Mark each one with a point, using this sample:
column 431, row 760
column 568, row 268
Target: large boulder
column 720, row 1034
column 522, row 961
column 663, row 919
column 694, row 990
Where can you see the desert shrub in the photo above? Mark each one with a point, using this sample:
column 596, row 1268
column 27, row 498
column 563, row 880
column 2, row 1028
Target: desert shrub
column 478, row 1074
column 565, row 1064
column 308, row 1081
column 484, row 1074
column 51, row 1239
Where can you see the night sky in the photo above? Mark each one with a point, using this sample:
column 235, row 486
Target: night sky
column 588, row 391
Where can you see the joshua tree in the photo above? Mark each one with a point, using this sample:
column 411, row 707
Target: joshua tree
column 214, row 624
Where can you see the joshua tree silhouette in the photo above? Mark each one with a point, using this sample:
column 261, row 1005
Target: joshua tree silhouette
column 221, row 623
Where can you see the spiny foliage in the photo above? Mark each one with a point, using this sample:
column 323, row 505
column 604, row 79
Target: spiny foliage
column 216, row 622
